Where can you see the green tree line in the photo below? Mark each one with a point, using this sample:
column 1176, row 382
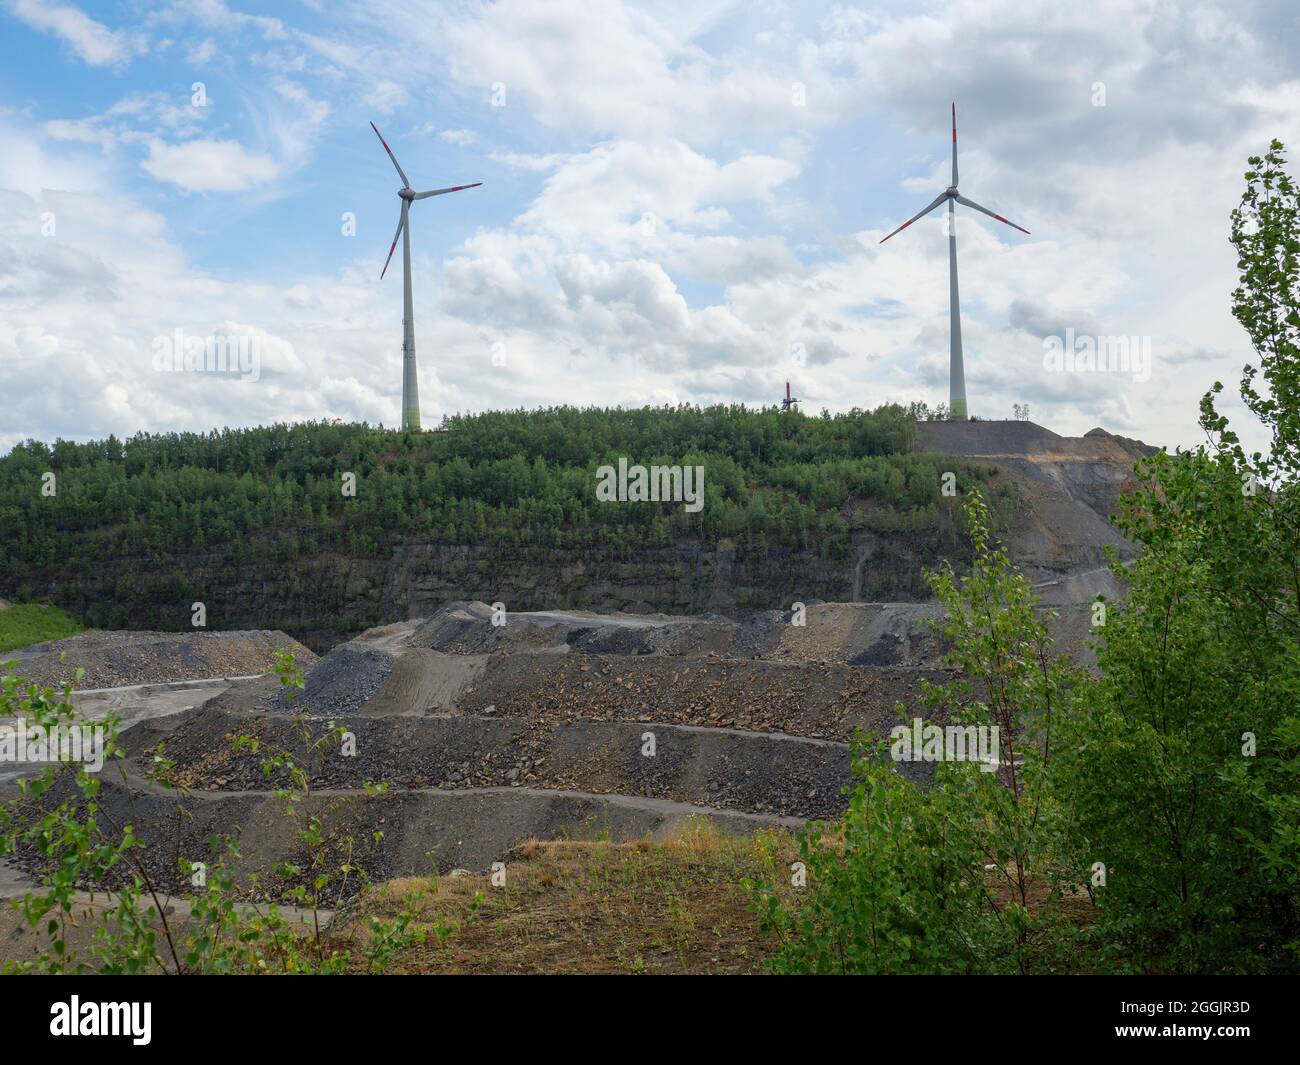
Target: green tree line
column 503, row 478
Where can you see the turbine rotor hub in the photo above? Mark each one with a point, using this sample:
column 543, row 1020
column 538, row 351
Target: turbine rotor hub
column 406, row 194
column 952, row 192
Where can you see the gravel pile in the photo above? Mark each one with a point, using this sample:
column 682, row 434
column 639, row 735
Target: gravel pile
column 778, row 775
column 343, row 681
column 400, row 833
column 816, row 700
column 759, row 634
column 463, row 627
column 116, row 659
column 879, row 634
column 467, row 628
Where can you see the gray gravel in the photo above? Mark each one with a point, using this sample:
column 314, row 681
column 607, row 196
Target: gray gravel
column 114, row 659
column 719, row 768
column 343, row 681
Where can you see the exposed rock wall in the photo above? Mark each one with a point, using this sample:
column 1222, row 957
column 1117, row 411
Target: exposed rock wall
column 1066, row 488
column 1069, row 487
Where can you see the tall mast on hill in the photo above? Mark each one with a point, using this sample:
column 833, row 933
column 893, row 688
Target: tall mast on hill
column 956, row 371
column 410, row 382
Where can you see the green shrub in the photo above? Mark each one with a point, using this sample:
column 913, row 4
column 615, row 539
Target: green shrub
column 1184, row 783
column 1167, row 786
column 956, row 877
column 60, row 827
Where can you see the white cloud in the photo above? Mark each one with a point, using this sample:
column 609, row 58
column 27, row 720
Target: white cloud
column 460, row 137
column 93, row 42
column 523, row 161
column 98, row 347
column 209, row 165
column 82, row 131
column 662, row 222
column 386, row 96
column 612, row 68
column 132, row 119
column 296, row 126
column 203, row 53
column 215, row 15
column 645, row 185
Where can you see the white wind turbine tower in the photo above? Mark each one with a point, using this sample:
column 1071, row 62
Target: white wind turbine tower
column 956, row 372
column 410, row 384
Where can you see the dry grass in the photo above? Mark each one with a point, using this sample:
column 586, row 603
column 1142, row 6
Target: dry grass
column 664, row 905
column 671, row 905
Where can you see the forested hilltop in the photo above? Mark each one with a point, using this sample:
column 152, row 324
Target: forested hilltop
column 258, row 523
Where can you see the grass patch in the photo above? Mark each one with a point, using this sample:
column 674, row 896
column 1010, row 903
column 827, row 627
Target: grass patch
column 28, row 623
column 672, row 905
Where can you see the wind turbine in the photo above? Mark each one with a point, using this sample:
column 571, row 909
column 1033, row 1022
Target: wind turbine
column 956, row 372
column 410, row 384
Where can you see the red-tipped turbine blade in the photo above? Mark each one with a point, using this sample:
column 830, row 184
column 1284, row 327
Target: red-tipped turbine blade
column 443, row 192
column 954, row 144
column 400, row 222
column 985, row 210
column 401, row 173
column 919, row 214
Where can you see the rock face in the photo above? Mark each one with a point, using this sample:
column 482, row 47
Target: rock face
column 1069, row 488
column 685, row 578
column 1066, row 488
column 327, row 598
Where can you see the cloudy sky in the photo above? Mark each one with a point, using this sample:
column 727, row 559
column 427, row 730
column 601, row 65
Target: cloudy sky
column 682, row 201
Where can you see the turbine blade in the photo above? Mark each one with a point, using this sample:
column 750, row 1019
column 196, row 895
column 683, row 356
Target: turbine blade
column 400, row 222
column 954, row 144
column 985, row 210
column 405, row 184
column 919, row 214
column 443, row 192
